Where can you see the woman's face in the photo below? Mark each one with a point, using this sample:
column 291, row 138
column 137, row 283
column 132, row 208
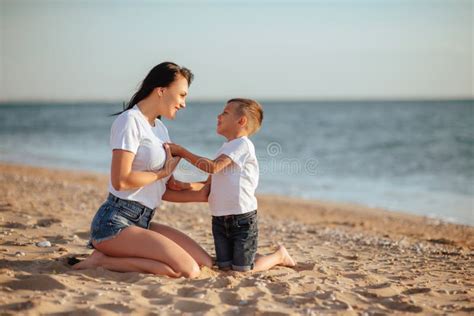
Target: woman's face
column 174, row 97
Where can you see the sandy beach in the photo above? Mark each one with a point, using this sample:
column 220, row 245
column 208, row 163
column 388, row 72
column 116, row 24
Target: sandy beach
column 351, row 259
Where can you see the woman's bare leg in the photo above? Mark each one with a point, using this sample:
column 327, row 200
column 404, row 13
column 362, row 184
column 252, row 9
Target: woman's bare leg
column 136, row 242
column 98, row 259
column 187, row 243
column 279, row 257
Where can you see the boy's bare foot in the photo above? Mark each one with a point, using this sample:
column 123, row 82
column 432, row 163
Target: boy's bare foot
column 286, row 259
column 92, row 261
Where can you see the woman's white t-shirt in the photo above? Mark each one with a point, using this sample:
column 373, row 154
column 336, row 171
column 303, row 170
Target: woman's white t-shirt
column 132, row 132
column 233, row 188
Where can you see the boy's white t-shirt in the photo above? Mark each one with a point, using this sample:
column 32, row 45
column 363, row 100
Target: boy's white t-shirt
column 132, row 132
column 233, row 188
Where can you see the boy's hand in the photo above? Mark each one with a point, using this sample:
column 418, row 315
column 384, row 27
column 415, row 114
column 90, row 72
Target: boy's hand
column 171, row 162
column 175, row 149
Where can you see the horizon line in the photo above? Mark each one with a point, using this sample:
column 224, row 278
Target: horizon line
column 262, row 100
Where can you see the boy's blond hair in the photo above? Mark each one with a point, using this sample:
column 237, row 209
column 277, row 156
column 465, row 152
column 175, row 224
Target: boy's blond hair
column 252, row 110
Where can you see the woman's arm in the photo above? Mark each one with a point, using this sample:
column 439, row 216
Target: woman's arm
column 123, row 178
column 177, row 185
column 205, row 164
column 187, row 195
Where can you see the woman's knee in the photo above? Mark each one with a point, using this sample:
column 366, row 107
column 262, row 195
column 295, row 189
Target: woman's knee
column 190, row 271
column 169, row 272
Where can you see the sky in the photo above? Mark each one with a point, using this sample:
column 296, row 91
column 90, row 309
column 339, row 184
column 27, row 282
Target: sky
column 332, row 49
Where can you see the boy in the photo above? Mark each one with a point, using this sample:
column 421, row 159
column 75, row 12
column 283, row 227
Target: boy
column 234, row 178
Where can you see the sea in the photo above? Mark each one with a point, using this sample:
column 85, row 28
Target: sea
column 411, row 156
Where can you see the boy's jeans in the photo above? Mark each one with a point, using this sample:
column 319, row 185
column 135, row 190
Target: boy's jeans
column 235, row 240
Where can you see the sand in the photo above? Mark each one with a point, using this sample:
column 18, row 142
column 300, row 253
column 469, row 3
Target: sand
column 350, row 259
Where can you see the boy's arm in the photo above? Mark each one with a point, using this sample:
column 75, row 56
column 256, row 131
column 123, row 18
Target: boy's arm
column 205, row 164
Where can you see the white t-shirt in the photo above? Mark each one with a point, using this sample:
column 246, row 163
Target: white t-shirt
column 131, row 131
column 233, row 188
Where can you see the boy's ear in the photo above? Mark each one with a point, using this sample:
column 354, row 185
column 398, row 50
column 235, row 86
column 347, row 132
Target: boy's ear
column 243, row 121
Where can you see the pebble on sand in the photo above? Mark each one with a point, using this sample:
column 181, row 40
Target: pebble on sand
column 43, row 244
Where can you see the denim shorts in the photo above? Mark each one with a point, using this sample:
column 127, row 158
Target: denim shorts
column 116, row 214
column 235, row 240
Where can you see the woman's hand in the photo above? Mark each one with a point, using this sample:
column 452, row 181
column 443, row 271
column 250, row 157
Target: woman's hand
column 206, row 190
column 204, row 193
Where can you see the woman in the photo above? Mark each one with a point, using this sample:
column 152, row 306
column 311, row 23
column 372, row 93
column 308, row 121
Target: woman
column 121, row 232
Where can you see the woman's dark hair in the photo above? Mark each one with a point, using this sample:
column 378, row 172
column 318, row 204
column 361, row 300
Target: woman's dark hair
column 162, row 75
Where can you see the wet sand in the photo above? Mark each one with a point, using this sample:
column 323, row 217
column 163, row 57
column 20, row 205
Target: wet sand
column 350, row 259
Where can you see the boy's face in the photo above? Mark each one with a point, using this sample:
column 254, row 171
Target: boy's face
column 228, row 120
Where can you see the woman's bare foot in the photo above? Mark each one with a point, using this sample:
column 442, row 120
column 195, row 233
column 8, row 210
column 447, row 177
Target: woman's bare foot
column 286, row 259
column 92, row 261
